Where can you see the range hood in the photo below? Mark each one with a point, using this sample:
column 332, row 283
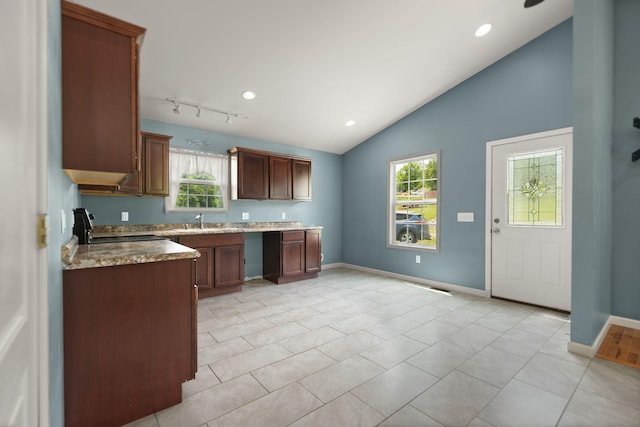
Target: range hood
column 95, row 180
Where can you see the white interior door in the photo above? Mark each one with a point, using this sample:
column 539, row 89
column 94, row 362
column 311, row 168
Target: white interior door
column 23, row 292
column 530, row 218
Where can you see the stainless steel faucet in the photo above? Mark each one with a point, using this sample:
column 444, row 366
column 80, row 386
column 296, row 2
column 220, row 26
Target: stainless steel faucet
column 200, row 216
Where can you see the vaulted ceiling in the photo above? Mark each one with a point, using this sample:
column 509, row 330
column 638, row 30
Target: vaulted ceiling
column 314, row 65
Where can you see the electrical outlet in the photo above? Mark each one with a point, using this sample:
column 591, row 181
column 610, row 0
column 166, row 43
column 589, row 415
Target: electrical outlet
column 124, row 216
column 284, row 215
column 465, row 217
column 417, row 259
column 245, row 216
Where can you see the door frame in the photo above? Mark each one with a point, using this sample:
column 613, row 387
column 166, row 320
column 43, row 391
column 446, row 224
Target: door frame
column 489, row 192
column 31, row 27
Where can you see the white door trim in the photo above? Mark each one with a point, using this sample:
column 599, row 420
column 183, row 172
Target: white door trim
column 489, row 195
column 41, row 115
column 24, row 349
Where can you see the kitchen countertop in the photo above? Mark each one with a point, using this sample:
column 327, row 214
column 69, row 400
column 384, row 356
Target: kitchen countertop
column 75, row 256
column 176, row 230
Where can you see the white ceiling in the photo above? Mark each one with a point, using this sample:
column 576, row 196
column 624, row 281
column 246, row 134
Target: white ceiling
column 315, row 64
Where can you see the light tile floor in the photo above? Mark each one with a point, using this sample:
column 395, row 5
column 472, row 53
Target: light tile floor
column 357, row 349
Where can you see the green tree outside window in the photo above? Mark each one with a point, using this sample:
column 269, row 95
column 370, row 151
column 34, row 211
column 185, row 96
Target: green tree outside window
column 198, row 190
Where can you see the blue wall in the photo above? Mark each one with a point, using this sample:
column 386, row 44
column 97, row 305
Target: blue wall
column 592, row 210
column 528, row 91
column 626, row 175
column 323, row 210
column 63, row 196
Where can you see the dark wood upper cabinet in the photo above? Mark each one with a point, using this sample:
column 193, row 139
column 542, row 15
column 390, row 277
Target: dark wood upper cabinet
column 100, row 121
column 301, row 174
column 279, row 178
column 153, row 178
column 262, row 175
column 253, row 175
column 156, row 164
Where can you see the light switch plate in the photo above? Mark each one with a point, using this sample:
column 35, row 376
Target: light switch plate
column 465, row 217
column 284, row 215
column 245, row 216
column 124, row 216
column 417, row 259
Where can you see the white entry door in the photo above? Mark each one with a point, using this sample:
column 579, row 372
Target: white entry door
column 529, row 218
column 23, row 185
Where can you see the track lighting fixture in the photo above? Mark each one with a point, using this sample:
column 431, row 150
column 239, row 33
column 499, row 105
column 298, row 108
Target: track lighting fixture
column 200, row 108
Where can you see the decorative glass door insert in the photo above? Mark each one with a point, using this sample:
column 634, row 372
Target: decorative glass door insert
column 534, row 189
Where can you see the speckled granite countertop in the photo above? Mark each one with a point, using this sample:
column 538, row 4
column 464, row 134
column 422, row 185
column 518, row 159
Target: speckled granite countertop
column 75, row 257
column 175, row 230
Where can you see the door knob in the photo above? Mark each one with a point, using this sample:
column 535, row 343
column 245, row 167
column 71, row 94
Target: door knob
column 495, row 230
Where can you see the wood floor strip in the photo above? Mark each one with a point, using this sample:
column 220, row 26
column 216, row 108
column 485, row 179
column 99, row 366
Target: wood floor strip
column 621, row 345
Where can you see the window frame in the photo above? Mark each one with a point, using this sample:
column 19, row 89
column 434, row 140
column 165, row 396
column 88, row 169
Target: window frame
column 392, row 203
column 222, row 182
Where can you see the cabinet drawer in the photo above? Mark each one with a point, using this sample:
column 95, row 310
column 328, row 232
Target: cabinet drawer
column 212, row 240
column 290, row 236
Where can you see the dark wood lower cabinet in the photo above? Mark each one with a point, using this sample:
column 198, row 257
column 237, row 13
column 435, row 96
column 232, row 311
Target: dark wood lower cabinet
column 313, row 251
column 129, row 340
column 289, row 256
column 220, row 268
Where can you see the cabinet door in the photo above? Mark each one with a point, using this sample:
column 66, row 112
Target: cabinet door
column 293, row 258
column 279, row 178
column 99, row 91
column 313, row 251
column 156, row 166
column 135, row 184
column 301, row 176
column 253, row 175
column 228, row 266
column 194, row 321
column 204, row 264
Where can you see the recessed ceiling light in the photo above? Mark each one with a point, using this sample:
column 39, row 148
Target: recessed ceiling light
column 350, row 123
column 483, row 30
column 248, row 94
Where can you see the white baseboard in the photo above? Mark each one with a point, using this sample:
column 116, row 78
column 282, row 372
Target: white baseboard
column 333, row 265
column 623, row 321
column 591, row 350
column 419, row 280
column 580, row 349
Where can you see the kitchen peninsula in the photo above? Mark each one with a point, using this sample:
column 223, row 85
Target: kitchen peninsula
column 130, row 312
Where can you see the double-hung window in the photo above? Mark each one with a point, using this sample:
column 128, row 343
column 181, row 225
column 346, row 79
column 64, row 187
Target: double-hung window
column 198, row 182
column 413, row 202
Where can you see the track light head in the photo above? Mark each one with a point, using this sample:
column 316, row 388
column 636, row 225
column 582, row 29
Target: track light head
column 199, row 112
column 228, row 121
column 176, row 108
column 531, row 3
